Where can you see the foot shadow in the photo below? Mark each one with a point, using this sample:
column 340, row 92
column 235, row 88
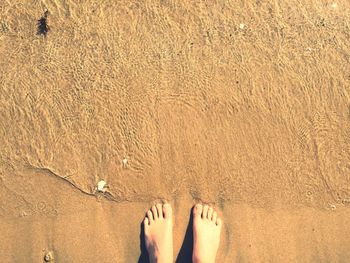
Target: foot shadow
column 185, row 253
column 144, row 254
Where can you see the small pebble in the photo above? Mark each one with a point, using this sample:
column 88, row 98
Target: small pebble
column 23, row 214
column 125, row 161
column 101, row 186
column 346, row 201
column 48, row 257
column 241, row 26
column 334, row 5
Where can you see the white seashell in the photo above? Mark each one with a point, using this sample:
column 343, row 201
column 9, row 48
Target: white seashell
column 241, row 26
column 101, row 186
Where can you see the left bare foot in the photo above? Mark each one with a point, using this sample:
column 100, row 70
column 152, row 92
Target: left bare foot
column 159, row 233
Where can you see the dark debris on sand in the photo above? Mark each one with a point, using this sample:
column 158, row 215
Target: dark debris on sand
column 43, row 27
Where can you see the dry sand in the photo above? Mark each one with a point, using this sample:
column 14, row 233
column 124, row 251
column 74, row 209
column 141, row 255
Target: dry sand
column 242, row 104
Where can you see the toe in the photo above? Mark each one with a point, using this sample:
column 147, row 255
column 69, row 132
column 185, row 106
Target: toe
column 146, row 222
column 146, row 225
column 210, row 213
column 150, row 215
column 205, row 212
column 154, row 212
column 160, row 210
column 167, row 211
column 197, row 210
column 215, row 216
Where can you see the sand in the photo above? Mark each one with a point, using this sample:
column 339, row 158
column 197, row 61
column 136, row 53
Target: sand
column 241, row 104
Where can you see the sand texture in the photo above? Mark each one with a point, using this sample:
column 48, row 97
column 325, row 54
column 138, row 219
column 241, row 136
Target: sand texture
column 241, row 104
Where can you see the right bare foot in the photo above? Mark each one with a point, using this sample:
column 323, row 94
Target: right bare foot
column 206, row 234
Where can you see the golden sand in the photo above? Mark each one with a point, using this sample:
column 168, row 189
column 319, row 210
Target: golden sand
column 241, row 104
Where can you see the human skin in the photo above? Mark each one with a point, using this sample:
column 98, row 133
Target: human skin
column 158, row 225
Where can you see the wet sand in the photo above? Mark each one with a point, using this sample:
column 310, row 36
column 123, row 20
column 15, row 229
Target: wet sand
column 244, row 105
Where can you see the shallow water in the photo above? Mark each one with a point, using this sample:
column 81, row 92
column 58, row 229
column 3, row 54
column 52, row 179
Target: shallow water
column 166, row 100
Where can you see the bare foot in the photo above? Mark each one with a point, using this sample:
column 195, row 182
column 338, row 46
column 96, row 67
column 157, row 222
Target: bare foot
column 159, row 233
column 206, row 234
